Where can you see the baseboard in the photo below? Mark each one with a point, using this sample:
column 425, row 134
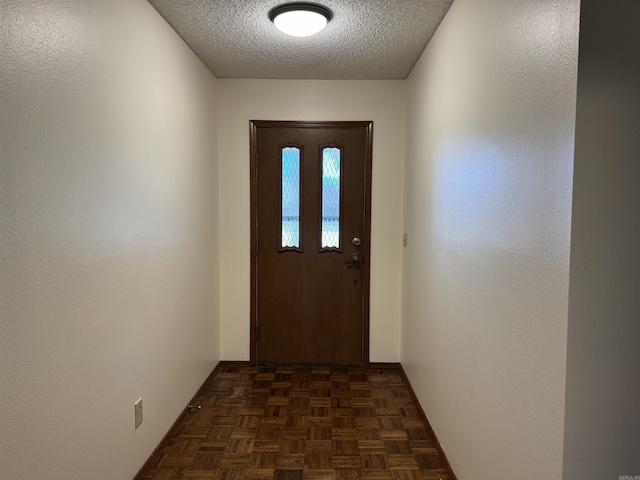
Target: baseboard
column 381, row 365
column 176, row 425
column 424, row 418
column 235, row 363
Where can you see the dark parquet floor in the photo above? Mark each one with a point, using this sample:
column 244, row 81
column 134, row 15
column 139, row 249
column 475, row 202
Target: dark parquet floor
column 302, row 423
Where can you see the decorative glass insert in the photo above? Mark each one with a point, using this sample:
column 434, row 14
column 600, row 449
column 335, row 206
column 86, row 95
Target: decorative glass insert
column 330, row 198
column 290, row 196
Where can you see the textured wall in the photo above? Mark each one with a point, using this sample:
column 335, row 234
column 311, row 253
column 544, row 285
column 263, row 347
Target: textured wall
column 108, row 235
column 602, row 423
column 490, row 124
column 380, row 101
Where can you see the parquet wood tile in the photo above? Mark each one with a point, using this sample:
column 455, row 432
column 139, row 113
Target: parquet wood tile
column 302, row 424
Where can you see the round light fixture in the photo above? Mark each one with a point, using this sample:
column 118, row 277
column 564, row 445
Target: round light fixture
column 300, row 19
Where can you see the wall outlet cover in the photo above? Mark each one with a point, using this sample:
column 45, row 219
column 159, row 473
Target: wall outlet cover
column 137, row 408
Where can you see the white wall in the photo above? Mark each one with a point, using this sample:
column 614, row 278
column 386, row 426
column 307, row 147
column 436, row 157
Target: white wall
column 602, row 423
column 108, row 231
column 488, row 177
column 244, row 100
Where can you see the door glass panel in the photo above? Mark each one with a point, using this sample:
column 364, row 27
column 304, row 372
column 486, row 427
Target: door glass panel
column 290, row 196
column 330, row 198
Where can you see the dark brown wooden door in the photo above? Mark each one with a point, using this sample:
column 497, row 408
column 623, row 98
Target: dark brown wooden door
column 311, row 188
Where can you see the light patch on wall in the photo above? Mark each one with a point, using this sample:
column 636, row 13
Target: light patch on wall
column 482, row 185
column 468, row 185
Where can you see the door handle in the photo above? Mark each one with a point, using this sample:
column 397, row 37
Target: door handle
column 355, row 261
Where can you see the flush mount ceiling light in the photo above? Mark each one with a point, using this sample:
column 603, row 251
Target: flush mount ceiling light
column 300, row 19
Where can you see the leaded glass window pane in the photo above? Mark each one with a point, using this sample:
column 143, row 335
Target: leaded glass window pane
column 290, row 197
column 330, row 198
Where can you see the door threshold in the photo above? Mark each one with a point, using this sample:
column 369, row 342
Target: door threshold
column 310, row 365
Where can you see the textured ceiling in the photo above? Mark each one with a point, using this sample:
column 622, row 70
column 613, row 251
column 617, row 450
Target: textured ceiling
column 366, row 39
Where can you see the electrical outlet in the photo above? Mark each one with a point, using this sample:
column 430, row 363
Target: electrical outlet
column 137, row 409
column 404, row 240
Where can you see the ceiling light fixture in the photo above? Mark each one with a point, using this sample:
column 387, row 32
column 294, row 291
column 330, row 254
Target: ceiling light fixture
column 300, row 19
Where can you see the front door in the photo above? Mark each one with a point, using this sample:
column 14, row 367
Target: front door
column 310, row 242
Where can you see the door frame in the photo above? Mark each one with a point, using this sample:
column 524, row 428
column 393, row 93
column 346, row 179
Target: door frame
column 255, row 125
